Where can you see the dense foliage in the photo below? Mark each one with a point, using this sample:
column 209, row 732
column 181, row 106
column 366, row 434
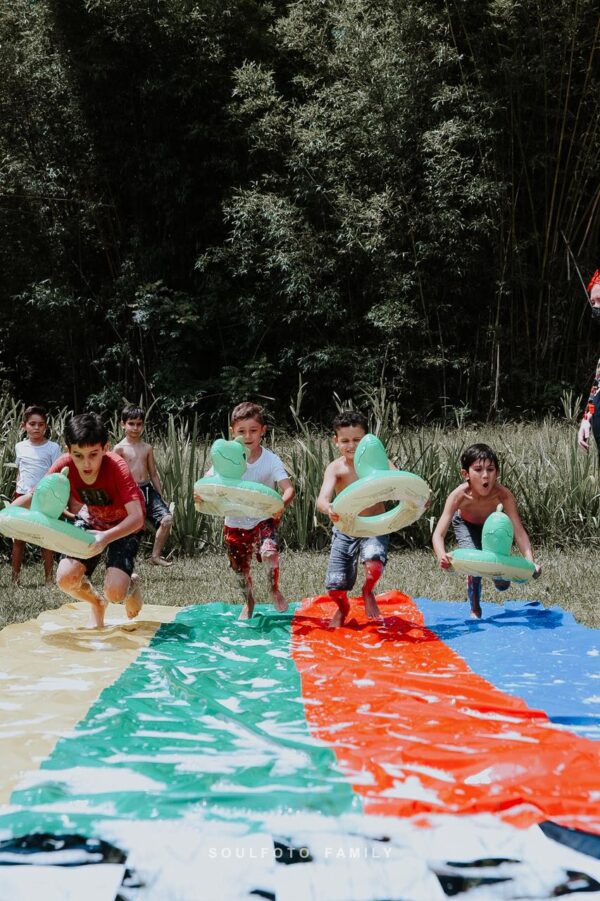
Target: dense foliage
column 202, row 202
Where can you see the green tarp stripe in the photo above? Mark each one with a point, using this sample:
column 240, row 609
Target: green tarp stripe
column 209, row 718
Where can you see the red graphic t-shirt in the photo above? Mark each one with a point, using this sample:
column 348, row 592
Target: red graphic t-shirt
column 104, row 501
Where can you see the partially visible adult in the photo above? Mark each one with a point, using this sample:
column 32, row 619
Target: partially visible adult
column 591, row 416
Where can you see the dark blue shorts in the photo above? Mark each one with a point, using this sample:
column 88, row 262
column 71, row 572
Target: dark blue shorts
column 156, row 509
column 120, row 554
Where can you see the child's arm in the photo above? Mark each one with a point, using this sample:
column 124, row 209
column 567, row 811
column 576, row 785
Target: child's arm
column 441, row 529
column 288, row 493
column 153, row 471
column 23, row 501
column 118, row 449
column 326, row 493
column 133, row 522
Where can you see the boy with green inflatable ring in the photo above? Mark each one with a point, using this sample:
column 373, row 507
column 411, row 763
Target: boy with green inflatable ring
column 105, row 501
column 468, row 507
column 349, row 429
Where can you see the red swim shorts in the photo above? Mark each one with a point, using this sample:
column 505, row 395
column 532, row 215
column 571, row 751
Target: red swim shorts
column 241, row 544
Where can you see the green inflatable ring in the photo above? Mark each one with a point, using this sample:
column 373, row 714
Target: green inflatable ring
column 41, row 524
column 376, row 483
column 226, row 494
column 494, row 560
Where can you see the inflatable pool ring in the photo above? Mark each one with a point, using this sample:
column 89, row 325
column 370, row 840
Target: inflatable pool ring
column 225, row 493
column 41, row 524
column 494, row 560
column 376, row 483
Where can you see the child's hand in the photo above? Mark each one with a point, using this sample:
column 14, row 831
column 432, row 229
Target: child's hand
column 444, row 561
column 583, row 435
column 101, row 541
column 197, row 498
column 334, row 517
column 538, row 571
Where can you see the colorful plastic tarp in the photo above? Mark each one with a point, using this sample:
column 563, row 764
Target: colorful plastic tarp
column 405, row 748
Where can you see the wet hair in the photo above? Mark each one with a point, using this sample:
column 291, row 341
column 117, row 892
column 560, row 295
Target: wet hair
column 35, row 410
column 85, row 430
column 349, row 418
column 247, row 410
column 478, row 452
column 131, row 412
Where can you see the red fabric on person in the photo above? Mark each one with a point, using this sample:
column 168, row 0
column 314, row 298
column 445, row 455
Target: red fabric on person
column 106, row 498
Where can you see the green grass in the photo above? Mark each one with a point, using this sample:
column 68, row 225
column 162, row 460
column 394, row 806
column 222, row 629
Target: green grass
column 556, row 485
column 566, row 582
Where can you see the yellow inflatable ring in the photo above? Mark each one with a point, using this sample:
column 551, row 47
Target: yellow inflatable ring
column 376, row 483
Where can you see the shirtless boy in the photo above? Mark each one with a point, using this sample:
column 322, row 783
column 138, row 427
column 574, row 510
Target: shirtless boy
column 349, row 427
column 468, row 507
column 139, row 456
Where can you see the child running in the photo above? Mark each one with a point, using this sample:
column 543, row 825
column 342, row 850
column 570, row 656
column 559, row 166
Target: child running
column 246, row 536
column 139, row 456
column 106, row 501
column 468, row 507
column 349, row 427
column 34, row 456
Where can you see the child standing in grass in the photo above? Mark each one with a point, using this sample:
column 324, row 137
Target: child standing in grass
column 468, row 507
column 349, row 428
column 35, row 455
column 139, row 456
column 247, row 536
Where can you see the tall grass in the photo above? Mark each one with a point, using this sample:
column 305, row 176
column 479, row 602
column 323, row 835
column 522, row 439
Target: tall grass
column 556, row 486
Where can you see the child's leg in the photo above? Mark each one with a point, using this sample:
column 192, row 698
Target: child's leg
column 341, row 573
column 343, row 605
column 474, row 595
column 120, row 581
column 373, row 552
column 48, row 558
column 501, row 584
column 468, row 535
column 161, row 518
column 240, row 544
column 18, row 549
column 119, row 586
column 269, row 554
column 160, row 539
column 71, row 577
column 373, row 572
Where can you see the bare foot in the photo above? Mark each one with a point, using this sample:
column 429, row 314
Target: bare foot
column 133, row 599
column 98, row 610
column 339, row 617
column 279, row 602
column 160, row 561
column 371, row 608
column 247, row 610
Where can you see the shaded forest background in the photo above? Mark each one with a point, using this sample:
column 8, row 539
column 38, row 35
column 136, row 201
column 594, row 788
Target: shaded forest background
column 202, row 202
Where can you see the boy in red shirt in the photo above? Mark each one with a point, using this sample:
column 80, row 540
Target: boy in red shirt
column 106, row 500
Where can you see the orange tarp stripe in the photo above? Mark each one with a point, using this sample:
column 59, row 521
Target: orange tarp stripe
column 416, row 731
